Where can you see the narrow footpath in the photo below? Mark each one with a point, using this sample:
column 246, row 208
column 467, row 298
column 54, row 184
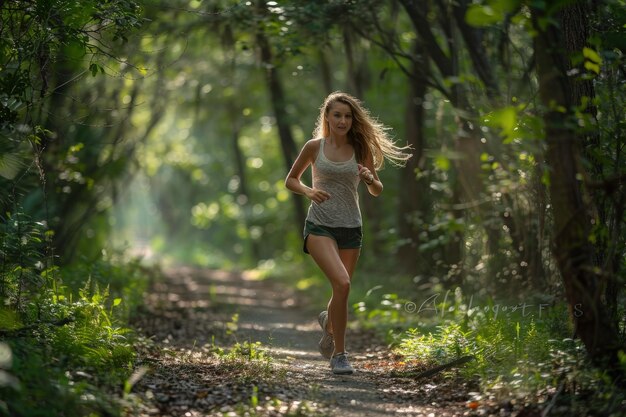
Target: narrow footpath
column 194, row 316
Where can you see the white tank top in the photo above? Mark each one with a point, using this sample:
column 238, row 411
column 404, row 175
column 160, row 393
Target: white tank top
column 340, row 180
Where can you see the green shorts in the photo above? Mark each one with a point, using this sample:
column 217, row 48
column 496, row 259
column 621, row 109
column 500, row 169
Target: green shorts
column 346, row 237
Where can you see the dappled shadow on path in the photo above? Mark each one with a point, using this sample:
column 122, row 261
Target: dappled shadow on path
column 193, row 313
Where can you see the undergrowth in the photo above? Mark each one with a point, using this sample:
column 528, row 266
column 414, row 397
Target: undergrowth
column 64, row 346
column 520, row 352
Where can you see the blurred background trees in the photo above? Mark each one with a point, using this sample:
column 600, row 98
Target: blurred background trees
column 168, row 127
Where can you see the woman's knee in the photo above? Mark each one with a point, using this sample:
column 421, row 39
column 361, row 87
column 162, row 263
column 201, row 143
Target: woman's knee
column 342, row 286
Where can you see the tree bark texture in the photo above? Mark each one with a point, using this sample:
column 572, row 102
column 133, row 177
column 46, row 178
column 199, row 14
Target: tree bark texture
column 571, row 220
column 575, row 23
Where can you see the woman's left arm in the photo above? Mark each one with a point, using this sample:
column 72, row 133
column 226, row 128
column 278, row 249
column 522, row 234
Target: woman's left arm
column 367, row 172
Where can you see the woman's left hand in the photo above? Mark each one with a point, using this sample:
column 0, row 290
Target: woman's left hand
column 365, row 174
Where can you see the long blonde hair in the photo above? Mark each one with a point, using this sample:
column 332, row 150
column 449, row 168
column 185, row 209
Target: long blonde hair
column 367, row 135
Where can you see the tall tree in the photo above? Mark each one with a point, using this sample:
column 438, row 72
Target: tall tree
column 279, row 105
column 414, row 200
column 573, row 250
column 467, row 184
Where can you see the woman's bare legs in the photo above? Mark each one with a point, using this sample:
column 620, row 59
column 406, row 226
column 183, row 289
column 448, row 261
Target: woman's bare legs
column 338, row 266
column 349, row 258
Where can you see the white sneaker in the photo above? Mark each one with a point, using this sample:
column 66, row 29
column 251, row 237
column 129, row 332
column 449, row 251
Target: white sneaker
column 340, row 365
column 327, row 343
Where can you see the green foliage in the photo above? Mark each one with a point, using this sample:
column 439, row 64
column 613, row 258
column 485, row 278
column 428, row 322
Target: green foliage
column 95, row 335
column 446, row 343
column 248, row 351
column 516, row 354
column 250, row 360
column 44, row 49
column 389, row 312
column 296, row 409
column 123, row 279
column 22, row 250
column 35, row 33
column 71, row 364
column 66, row 348
column 493, row 11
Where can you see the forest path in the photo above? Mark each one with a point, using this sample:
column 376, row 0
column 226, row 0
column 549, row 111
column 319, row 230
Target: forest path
column 189, row 312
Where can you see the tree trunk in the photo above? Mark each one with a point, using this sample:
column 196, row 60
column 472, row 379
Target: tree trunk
column 571, row 220
column 234, row 115
column 357, row 66
column 465, row 140
column 525, row 231
column 415, row 203
column 473, row 41
column 243, row 188
column 575, row 23
column 325, row 70
column 277, row 97
column 357, row 84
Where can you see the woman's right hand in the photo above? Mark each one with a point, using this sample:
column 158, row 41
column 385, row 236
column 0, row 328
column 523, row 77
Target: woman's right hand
column 318, row 196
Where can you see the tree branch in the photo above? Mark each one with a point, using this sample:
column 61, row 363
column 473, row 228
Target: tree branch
column 433, row 371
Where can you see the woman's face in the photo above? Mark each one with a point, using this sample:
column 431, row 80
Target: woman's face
column 339, row 117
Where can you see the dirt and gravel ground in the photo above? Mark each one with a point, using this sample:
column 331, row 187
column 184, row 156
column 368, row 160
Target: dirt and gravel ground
column 194, row 313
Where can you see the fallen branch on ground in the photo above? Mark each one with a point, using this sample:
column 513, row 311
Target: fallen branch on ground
column 433, row 371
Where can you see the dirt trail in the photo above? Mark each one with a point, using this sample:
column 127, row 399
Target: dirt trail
column 186, row 311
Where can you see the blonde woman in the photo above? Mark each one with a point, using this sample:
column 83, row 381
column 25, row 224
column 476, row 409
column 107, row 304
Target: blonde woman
column 349, row 146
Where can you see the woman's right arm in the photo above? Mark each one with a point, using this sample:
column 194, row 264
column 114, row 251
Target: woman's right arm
column 302, row 162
